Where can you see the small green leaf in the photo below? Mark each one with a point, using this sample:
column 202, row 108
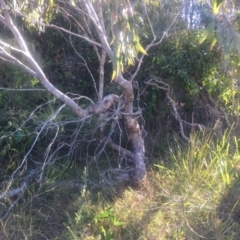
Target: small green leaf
column 13, row 150
column 213, row 43
column 114, row 74
column 204, row 36
column 210, row 27
column 34, row 82
column 115, row 67
column 216, row 4
column 119, row 223
column 139, row 48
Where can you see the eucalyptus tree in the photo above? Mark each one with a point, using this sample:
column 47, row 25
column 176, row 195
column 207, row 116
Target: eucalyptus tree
column 120, row 32
column 114, row 29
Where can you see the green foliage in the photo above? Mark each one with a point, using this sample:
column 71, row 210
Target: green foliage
column 63, row 64
column 123, row 28
column 183, row 61
column 193, row 72
column 37, row 13
column 101, row 224
column 107, row 215
column 155, row 104
column 207, row 31
column 15, row 139
column 180, row 197
column 65, row 69
column 223, row 26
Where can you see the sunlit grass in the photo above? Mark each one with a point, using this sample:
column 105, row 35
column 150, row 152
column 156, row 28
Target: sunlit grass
column 193, row 193
column 186, row 198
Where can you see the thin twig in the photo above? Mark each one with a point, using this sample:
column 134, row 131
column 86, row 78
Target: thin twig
column 164, row 86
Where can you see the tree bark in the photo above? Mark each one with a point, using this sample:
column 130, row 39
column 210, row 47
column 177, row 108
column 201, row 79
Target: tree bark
column 133, row 129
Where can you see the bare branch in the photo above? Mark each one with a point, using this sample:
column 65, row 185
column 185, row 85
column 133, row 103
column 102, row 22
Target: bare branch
column 100, row 31
column 153, row 43
column 22, row 89
column 6, row 56
column 123, row 151
column 6, row 45
column 3, row 20
column 86, row 65
column 36, row 68
column 200, row 126
column 85, row 26
column 75, row 34
column 166, row 88
column 103, row 105
column 14, row 192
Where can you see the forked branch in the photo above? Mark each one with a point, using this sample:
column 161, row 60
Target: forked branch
column 164, row 86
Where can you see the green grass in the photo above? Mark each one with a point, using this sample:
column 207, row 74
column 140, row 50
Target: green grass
column 192, row 194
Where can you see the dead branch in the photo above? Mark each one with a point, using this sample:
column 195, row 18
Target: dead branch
column 17, row 192
column 74, row 34
column 22, row 89
column 154, row 41
column 164, row 86
column 123, row 151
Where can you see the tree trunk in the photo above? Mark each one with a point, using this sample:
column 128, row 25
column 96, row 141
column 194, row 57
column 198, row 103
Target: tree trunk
column 135, row 137
column 133, row 130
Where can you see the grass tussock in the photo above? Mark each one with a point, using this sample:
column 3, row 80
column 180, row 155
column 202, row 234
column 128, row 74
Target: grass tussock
column 193, row 194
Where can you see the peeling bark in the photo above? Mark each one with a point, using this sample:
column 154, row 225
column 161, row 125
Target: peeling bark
column 133, row 129
column 137, row 141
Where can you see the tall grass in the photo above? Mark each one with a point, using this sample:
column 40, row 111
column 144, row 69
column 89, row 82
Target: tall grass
column 193, row 193
column 185, row 198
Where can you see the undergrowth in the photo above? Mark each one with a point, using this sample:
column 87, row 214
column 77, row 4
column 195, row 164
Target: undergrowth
column 192, row 194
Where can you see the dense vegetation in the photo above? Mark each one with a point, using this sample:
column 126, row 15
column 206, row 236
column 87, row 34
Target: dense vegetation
column 66, row 175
